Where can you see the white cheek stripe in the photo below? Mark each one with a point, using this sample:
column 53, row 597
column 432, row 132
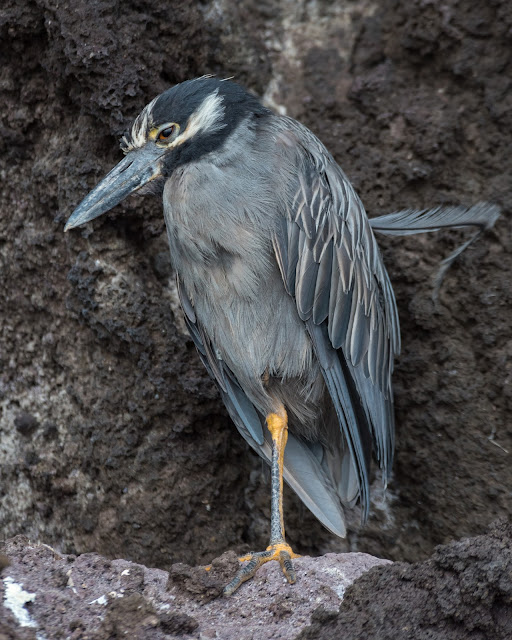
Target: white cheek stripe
column 207, row 117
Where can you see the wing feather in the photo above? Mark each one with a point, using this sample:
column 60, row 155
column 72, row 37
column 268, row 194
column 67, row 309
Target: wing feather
column 335, row 273
column 323, row 285
column 307, row 272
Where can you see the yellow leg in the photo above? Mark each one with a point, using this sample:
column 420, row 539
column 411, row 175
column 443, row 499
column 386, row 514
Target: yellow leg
column 278, row 549
column 278, row 427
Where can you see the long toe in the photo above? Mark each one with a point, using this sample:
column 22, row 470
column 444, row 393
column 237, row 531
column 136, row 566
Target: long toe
column 285, row 560
column 281, row 552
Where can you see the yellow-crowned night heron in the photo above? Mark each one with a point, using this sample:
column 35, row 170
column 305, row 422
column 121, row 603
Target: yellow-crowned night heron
column 282, row 286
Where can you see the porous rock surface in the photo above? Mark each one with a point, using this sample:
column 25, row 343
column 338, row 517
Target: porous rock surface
column 91, row 598
column 462, row 592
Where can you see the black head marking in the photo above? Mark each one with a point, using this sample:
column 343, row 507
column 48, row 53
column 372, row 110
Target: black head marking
column 223, row 102
column 182, row 100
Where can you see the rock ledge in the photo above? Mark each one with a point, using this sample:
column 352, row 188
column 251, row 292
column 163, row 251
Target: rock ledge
column 50, row 595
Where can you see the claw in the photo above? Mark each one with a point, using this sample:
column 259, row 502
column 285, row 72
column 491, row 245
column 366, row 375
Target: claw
column 285, row 561
column 282, row 552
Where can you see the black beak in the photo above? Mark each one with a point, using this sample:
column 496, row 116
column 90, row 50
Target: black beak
column 138, row 168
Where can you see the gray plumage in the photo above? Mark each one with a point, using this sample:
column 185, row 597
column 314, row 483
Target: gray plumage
column 255, row 280
column 281, row 282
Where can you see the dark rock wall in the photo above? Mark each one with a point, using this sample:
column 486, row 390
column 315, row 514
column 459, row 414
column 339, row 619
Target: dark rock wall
column 112, row 437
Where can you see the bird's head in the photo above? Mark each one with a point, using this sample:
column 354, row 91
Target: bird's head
column 179, row 126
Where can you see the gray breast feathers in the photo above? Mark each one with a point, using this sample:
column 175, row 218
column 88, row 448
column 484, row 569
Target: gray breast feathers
column 220, row 213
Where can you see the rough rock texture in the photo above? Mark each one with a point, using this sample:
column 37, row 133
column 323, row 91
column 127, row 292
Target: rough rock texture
column 112, row 438
column 463, row 592
column 91, row 598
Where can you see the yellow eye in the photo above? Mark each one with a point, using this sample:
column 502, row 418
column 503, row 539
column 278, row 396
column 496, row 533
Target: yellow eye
column 166, row 133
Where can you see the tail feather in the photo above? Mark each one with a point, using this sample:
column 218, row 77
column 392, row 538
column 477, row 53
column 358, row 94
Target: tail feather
column 410, row 221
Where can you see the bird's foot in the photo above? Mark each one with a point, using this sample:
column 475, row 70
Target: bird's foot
column 281, row 551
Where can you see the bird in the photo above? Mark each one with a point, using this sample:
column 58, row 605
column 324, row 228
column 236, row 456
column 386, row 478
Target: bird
column 282, row 287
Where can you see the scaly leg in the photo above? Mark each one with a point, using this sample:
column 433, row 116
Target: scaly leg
column 278, row 549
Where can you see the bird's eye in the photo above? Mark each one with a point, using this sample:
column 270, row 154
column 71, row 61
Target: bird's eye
column 166, row 133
